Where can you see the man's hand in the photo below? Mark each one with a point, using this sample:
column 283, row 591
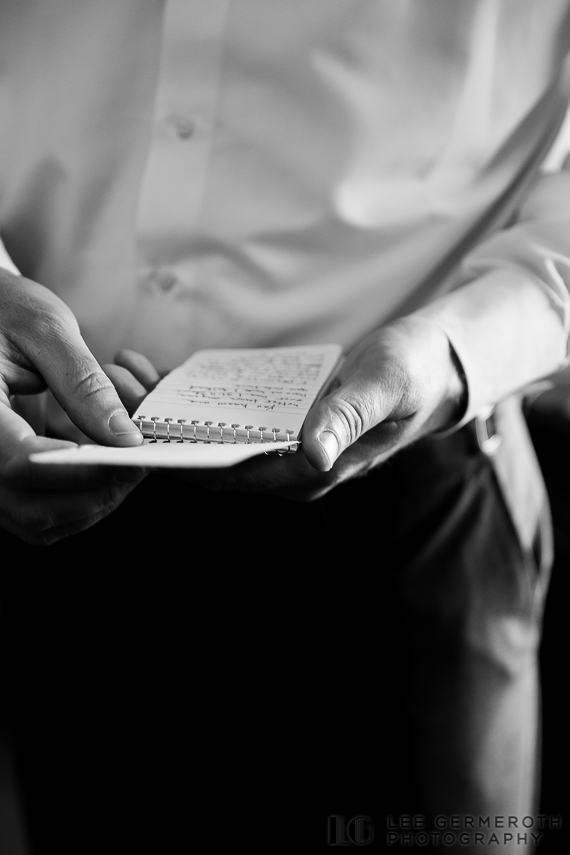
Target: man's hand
column 398, row 384
column 40, row 346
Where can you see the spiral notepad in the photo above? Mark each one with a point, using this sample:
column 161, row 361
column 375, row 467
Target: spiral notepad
column 219, row 408
column 257, row 396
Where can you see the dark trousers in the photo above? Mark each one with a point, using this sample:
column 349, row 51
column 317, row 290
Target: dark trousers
column 206, row 671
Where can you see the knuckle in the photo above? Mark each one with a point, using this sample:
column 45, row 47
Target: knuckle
column 113, row 496
column 56, row 316
column 92, row 383
column 40, row 325
column 40, row 538
column 351, row 416
column 406, row 382
column 32, row 523
column 38, row 521
column 49, row 322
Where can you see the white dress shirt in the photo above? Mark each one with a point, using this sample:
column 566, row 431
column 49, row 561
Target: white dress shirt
column 262, row 172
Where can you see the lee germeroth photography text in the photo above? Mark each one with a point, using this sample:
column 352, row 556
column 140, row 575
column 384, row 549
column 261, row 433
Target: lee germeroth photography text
column 468, row 830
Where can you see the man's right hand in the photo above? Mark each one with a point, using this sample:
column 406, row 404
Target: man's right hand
column 41, row 347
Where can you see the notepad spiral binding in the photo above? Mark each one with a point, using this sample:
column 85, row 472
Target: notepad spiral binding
column 181, row 430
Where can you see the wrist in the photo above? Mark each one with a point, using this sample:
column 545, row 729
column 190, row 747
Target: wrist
column 451, row 399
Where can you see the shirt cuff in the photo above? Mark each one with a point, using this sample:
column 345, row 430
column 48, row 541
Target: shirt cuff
column 505, row 332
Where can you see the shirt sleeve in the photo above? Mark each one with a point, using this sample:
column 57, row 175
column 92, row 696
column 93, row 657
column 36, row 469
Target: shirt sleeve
column 509, row 319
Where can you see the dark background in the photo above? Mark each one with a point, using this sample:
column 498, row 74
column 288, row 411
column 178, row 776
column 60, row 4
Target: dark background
column 549, row 424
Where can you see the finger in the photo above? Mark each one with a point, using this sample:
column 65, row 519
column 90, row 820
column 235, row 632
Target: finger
column 52, row 535
column 139, row 366
column 341, row 418
column 40, row 518
column 88, row 396
column 16, row 469
column 289, row 476
column 48, row 336
column 20, row 380
column 129, row 389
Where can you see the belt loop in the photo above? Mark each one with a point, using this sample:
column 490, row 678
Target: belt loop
column 486, row 433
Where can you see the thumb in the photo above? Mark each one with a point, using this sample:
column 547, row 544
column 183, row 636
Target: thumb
column 341, row 418
column 82, row 389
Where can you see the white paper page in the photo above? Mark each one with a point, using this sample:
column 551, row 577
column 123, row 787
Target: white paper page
column 266, row 387
column 170, row 455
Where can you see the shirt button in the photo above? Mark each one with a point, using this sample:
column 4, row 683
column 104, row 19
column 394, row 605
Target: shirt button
column 160, row 279
column 166, row 280
column 184, row 125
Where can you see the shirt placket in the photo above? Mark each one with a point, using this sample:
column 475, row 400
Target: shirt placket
column 176, row 173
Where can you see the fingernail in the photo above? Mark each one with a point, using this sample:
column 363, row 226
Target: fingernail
column 120, row 424
column 329, row 444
